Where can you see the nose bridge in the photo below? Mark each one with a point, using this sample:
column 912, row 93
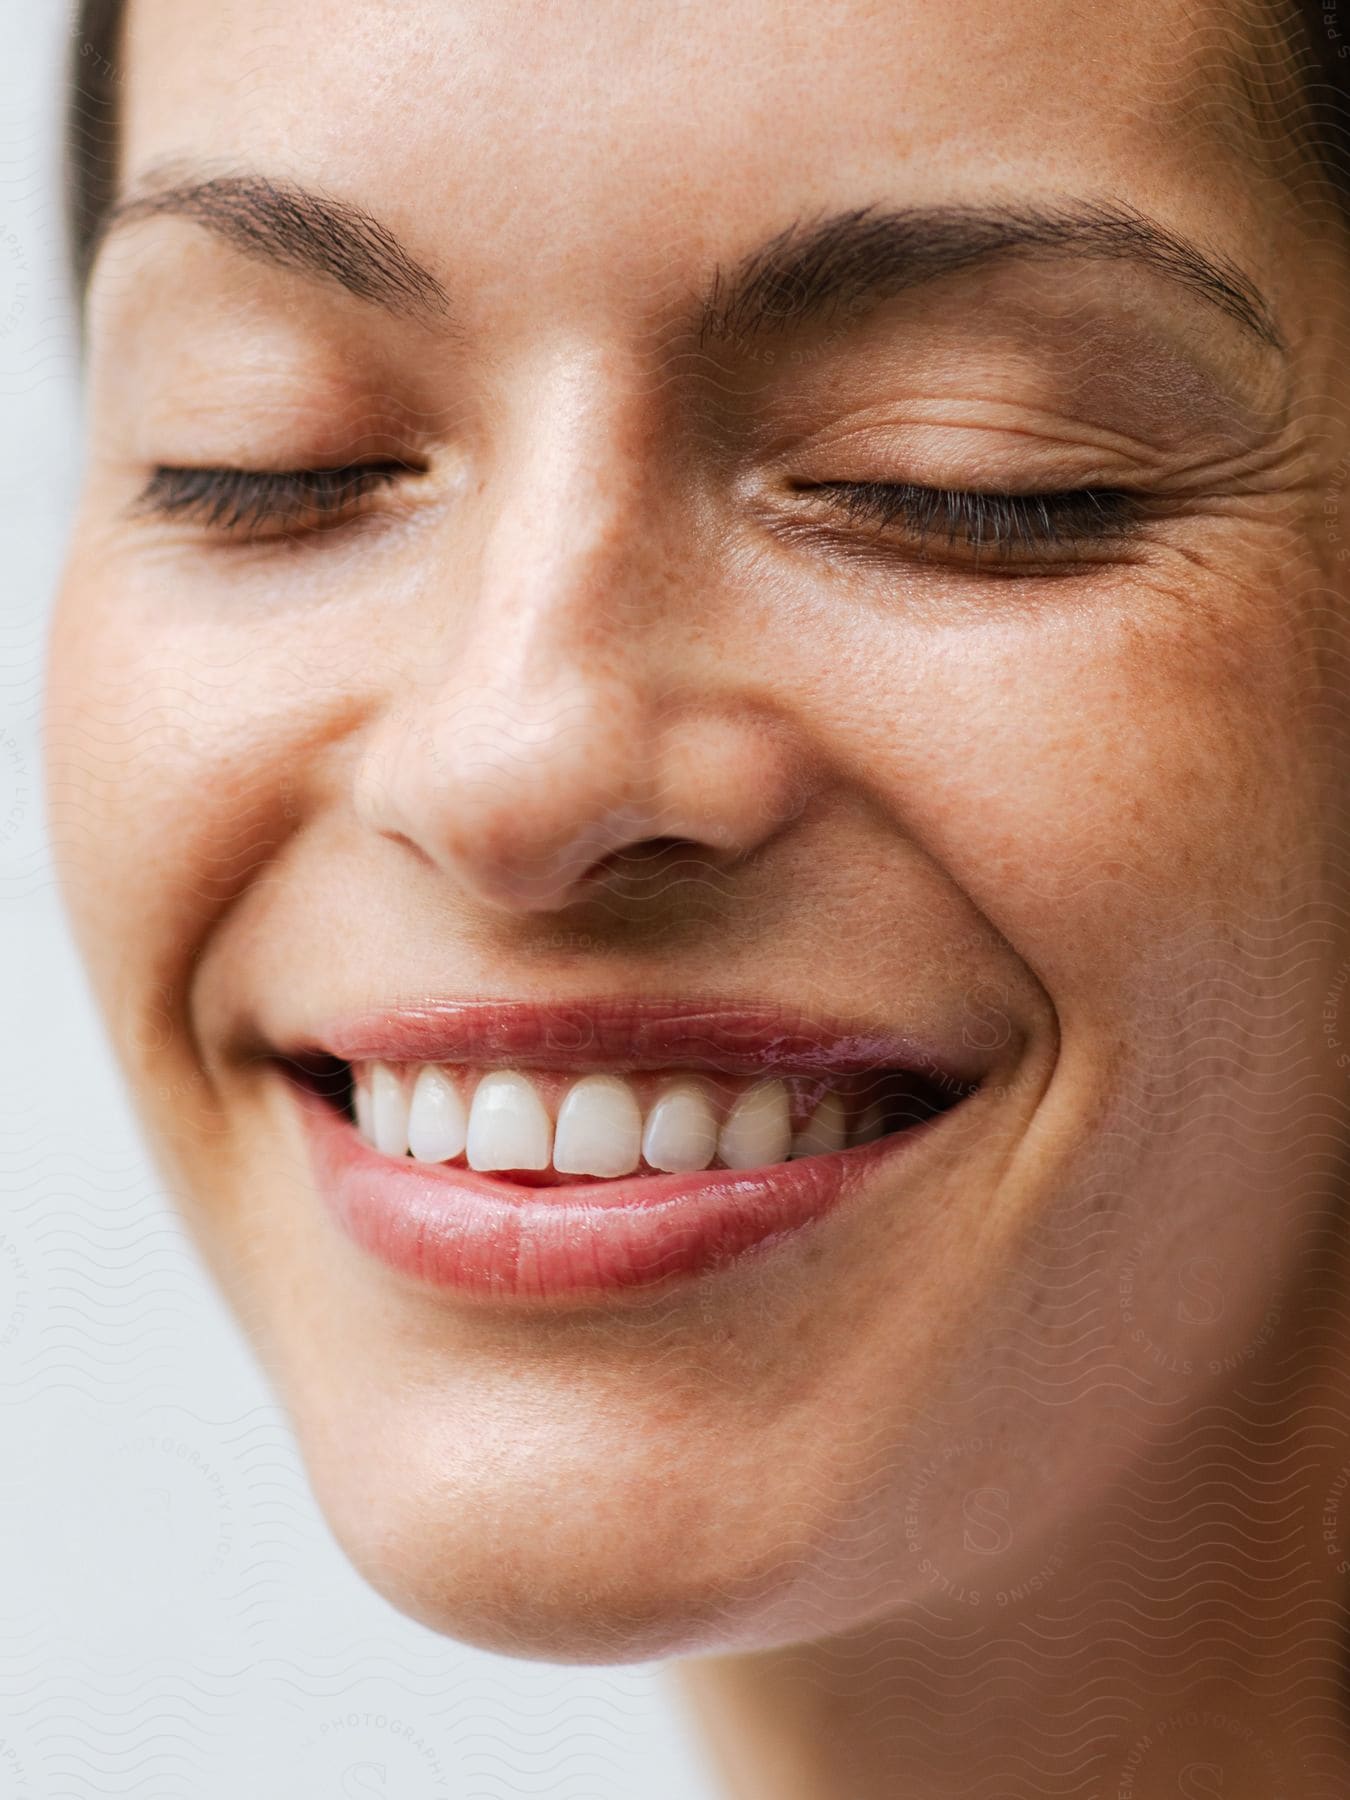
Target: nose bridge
column 556, row 723
column 523, row 747
column 554, row 732
column 574, row 541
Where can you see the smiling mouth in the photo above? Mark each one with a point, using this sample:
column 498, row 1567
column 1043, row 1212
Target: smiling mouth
column 507, row 1151
column 540, row 1128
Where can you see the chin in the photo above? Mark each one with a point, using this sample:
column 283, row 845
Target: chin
column 562, row 1547
column 566, row 1621
column 557, row 1594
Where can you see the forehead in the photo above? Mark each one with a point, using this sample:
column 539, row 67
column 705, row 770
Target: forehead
column 609, row 130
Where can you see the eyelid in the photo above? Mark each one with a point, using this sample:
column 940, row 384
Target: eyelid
column 978, row 520
column 227, row 499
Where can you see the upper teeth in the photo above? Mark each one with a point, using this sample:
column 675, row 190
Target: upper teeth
column 596, row 1124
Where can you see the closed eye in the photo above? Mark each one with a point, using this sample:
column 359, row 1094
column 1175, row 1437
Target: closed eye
column 974, row 522
column 232, row 500
column 292, row 501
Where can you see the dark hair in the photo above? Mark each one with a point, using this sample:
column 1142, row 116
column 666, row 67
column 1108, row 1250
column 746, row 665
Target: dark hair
column 96, row 74
column 1313, row 34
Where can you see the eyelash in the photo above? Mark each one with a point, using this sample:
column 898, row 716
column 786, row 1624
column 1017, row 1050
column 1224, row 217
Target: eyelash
column 1005, row 524
column 233, row 500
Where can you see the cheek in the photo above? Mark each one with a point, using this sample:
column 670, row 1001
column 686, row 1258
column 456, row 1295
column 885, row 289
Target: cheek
column 1088, row 771
column 1102, row 773
column 178, row 745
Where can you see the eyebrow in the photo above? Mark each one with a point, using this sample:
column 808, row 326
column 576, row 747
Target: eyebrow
column 851, row 259
column 294, row 228
column 812, row 269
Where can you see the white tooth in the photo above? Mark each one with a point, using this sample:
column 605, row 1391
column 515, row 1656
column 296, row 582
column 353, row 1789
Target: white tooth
column 508, row 1125
column 365, row 1117
column 599, row 1129
column 825, row 1131
column 758, row 1129
column 388, row 1110
column 871, row 1125
column 681, row 1128
column 437, row 1121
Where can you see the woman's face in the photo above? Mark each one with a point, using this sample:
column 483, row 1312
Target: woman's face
column 1048, row 795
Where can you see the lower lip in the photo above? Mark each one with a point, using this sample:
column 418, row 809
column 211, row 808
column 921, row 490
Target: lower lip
column 484, row 1236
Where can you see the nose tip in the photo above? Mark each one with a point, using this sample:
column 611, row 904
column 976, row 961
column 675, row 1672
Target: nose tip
column 527, row 805
column 531, row 854
column 572, row 699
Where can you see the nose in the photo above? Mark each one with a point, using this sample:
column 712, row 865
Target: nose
column 564, row 715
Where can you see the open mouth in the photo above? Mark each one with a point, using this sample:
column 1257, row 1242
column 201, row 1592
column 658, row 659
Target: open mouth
column 510, row 1151
column 541, row 1127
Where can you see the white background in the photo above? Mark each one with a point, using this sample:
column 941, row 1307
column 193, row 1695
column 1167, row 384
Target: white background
column 175, row 1621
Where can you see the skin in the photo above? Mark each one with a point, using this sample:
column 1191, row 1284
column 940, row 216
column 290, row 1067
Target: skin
column 1005, row 1437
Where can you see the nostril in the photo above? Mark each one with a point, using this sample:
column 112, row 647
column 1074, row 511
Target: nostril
column 638, row 856
column 653, row 846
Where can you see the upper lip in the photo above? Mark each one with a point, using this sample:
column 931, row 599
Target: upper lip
column 629, row 1033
